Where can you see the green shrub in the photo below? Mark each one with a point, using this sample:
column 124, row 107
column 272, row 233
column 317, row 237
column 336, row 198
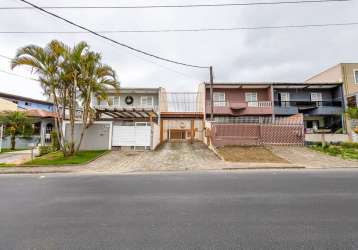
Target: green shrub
column 55, row 142
column 333, row 150
column 349, row 145
column 352, row 113
column 45, row 150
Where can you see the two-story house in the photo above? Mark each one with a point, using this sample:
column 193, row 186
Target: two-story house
column 322, row 105
column 26, row 103
column 41, row 112
column 127, row 119
column 239, row 101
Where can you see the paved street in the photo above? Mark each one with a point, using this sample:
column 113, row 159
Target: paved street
column 282, row 209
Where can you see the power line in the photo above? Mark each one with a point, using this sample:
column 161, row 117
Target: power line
column 112, row 40
column 178, row 6
column 13, row 74
column 187, row 30
column 6, row 57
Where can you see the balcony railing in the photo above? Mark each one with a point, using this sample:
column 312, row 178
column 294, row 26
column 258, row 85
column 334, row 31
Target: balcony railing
column 308, row 104
column 137, row 107
column 240, row 105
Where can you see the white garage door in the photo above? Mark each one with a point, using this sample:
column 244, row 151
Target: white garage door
column 136, row 136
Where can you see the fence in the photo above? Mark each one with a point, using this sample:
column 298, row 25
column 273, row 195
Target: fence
column 285, row 131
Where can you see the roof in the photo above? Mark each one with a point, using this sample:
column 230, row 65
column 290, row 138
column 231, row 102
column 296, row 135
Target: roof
column 23, row 98
column 267, row 84
column 40, row 113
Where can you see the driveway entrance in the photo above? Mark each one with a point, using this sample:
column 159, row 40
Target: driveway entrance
column 171, row 156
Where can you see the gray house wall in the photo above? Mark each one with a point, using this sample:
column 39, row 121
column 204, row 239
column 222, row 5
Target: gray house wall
column 136, row 98
column 305, row 94
column 97, row 136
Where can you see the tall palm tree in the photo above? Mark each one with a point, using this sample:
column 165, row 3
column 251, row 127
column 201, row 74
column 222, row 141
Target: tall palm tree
column 67, row 74
column 94, row 79
column 46, row 63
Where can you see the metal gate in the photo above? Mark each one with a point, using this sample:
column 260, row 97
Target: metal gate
column 137, row 135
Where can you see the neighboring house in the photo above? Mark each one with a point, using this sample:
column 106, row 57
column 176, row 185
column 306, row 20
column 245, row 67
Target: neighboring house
column 127, row 119
column 321, row 105
column 6, row 105
column 347, row 74
column 26, row 103
column 239, row 101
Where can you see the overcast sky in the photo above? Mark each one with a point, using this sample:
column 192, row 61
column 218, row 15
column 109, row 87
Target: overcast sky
column 255, row 55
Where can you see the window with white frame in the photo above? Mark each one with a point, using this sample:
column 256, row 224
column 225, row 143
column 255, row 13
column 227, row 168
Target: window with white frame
column 355, row 72
column 116, row 101
column 316, row 97
column 284, row 98
column 219, row 99
column 251, row 99
column 110, row 100
column 147, row 101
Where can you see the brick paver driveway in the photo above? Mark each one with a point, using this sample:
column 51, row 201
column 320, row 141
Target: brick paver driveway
column 170, row 156
column 309, row 158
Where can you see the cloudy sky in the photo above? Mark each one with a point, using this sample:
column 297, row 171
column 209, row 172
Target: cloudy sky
column 250, row 55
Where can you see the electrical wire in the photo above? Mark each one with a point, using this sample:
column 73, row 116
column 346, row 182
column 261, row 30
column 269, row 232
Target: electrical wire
column 187, row 30
column 112, row 40
column 178, row 6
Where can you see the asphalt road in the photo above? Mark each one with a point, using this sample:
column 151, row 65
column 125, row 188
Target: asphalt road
column 296, row 209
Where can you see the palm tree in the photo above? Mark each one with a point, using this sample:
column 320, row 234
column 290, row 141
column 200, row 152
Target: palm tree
column 67, row 74
column 16, row 123
column 94, row 79
column 46, row 63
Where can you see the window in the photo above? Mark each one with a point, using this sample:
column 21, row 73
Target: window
column 355, row 72
column 285, row 96
column 219, row 99
column 116, row 100
column 251, row 99
column 113, row 100
column 284, row 99
column 147, row 101
column 110, row 100
column 316, row 97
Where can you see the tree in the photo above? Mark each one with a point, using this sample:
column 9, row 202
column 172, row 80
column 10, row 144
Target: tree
column 16, row 123
column 46, row 64
column 68, row 75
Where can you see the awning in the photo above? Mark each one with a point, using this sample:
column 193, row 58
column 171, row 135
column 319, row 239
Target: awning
column 120, row 113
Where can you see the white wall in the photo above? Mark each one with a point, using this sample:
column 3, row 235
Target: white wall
column 328, row 137
column 155, row 135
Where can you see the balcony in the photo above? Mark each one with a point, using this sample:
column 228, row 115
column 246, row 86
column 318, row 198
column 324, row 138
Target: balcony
column 241, row 108
column 308, row 107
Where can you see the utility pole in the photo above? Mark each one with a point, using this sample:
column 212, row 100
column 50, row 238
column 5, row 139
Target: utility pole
column 211, row 93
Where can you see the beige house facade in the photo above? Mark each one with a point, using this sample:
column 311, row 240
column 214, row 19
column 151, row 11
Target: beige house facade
column 6, row 105
column 347, row 74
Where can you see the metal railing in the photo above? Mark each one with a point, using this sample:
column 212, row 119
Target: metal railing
column 258, row 104
column 308, row 103
column 113, row 107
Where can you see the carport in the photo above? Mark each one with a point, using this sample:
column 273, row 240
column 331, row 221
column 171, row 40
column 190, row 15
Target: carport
column 181, row 126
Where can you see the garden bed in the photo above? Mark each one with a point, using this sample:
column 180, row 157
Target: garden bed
column 249, row 154
column 57, row 158
column 346, row 150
